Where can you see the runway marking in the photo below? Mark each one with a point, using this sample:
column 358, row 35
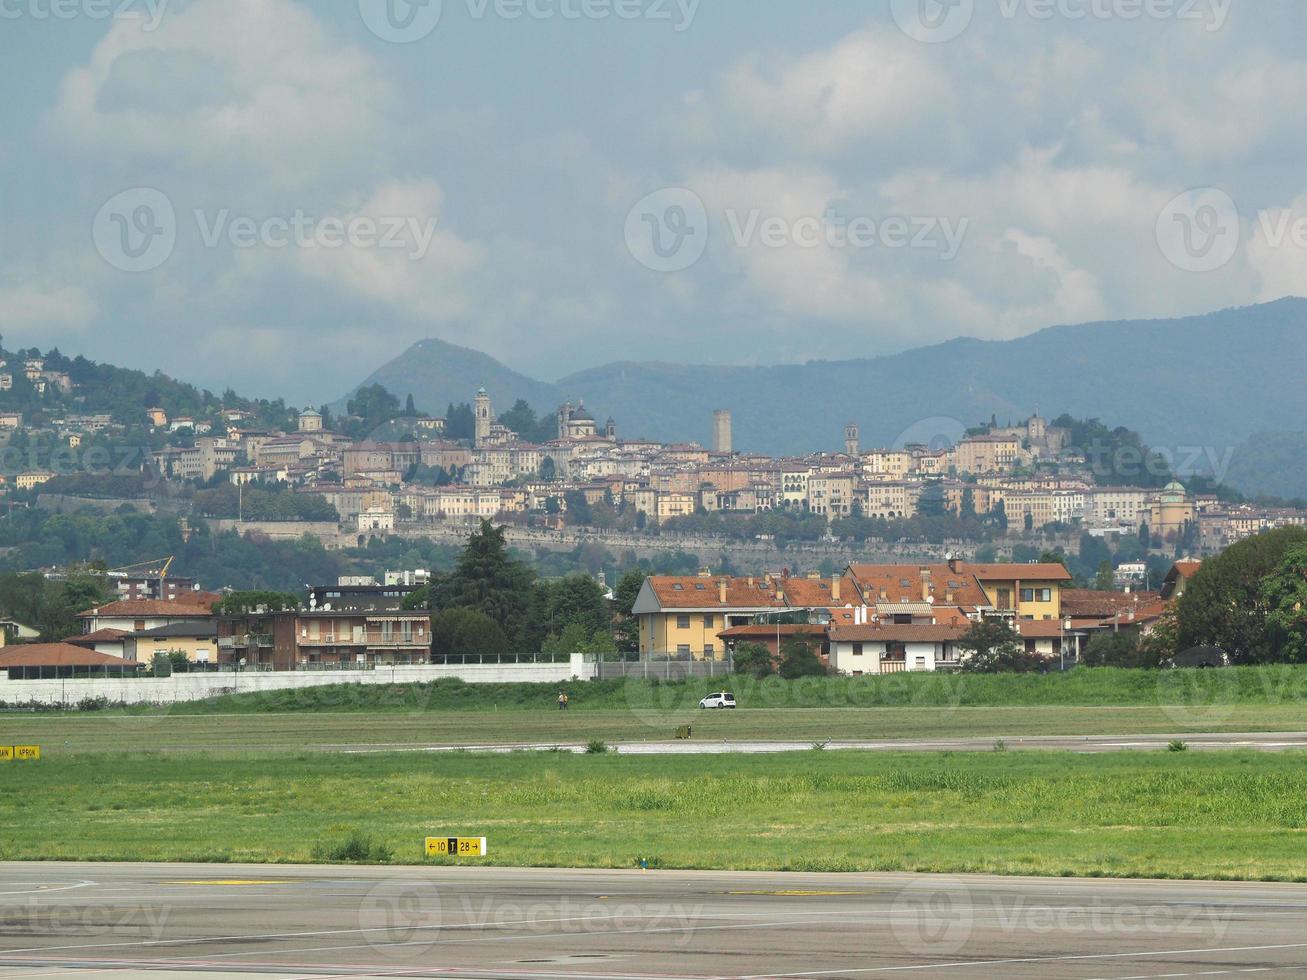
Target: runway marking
column 37, row 886
column 230, row 882
column 1070, row 958
column 796, row 893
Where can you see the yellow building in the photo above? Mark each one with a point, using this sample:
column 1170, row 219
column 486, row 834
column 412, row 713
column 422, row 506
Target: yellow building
column 1022, row 591
column 988, row 454
column 1171, row 512
column 683, row 614
column 26, row 481
column 197, row 640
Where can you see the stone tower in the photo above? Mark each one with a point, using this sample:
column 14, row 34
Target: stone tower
column 851, row 439
column 484, row 417
column 721, row 431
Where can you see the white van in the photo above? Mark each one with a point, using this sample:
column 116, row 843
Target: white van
column 722, row 699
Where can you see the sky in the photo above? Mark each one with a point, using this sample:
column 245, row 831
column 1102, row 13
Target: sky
column 281, row 195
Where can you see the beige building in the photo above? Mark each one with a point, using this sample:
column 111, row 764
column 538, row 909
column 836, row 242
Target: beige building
column 989, row 454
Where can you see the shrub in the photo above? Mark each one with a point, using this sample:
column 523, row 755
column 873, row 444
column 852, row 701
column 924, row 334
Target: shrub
column 754, row 660
column 596, row 746
column 1177, row 745
column 357, row 848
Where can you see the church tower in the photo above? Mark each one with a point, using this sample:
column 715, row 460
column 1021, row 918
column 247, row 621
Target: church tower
column 851, row 439
column 484, row 417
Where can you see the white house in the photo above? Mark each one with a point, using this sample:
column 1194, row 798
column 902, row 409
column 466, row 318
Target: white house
column 887, row 648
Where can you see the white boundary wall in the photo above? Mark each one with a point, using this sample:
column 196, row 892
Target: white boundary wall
column 196, row 687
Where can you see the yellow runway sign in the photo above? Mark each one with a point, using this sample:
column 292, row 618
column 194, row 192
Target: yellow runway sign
column 6, row 753
column 456, row 846
column 28, row 753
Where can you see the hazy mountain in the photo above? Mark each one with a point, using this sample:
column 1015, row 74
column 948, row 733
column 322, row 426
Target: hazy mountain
column 1207, row 382
column 436, row 373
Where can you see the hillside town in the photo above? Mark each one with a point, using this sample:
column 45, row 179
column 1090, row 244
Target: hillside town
column 1023, row 477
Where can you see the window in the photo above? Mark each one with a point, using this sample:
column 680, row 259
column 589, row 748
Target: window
column 708, row 650
column 683, row 622
column 708, row 621
column 683, row 648
column 678, row 586
column 857, row 649
column 1036, row 595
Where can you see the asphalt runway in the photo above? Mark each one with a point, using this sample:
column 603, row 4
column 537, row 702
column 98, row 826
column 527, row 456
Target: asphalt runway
column 90, row 920
column 1260, row 741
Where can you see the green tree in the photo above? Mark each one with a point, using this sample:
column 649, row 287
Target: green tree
column 995, row 648
column 491, row 582
column 466, row 633
column 374, row 405
column 1117, row 649
column 576, row 600
column 1224, row 604
column 238, row 603
column 628, row 625
column 460, row 421
column 968, row 508
column 1284, row 592
column 753, row 660
column 1105, row 579
column 799, row 660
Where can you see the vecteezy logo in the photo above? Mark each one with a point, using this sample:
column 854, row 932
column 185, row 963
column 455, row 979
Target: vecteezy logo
column 136, row 230
column 401, row 21
column 933, row 21
column 1198, row 231
column 400, row 917
column 667, row 231
column 937, row 433
column 933, row 916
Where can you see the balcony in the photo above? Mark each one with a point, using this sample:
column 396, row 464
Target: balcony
column 244, row 642
column 384, row 641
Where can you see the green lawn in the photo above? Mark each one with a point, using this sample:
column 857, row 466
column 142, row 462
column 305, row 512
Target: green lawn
column 116, row 734
column 1208, row 815
column 1081, row 702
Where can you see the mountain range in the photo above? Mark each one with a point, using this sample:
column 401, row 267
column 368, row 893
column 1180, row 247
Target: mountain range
column 1230, row 386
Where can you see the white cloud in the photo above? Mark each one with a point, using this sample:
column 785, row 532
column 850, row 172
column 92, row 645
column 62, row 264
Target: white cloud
column 31, row 305
column 229, row 86
column 818, row 280
column 866, row 86
column 423, row 276
column 1277, row 250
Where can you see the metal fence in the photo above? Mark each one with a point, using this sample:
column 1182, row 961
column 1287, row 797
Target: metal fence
column 673, row 668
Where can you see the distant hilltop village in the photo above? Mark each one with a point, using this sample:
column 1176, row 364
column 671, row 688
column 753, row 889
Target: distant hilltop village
column 413, row 471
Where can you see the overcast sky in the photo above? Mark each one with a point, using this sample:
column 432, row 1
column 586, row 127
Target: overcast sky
column 280, row 195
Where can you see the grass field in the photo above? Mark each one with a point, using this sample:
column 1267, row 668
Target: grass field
column 64, row 734
column 1210, row 815
column 1085, row 687
column 1081, row 702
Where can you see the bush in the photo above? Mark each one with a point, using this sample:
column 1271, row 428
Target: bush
column 753, row 660
column 798, row 660
column 1177, row 745
column 357, row 848
column 596, row 746
column 466, row 632
column 1118, row 650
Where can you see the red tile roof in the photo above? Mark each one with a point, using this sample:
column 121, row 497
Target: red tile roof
column 764, row 630
column 58, row 655
column 1094, row 602
column 104, row 635
column 873, row 633
column 187, row 606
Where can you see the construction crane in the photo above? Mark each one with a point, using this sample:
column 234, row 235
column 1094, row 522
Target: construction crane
column 157, row 568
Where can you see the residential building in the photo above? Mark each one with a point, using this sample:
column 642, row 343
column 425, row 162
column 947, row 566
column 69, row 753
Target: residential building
column 892, row 648
column 134, row 615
